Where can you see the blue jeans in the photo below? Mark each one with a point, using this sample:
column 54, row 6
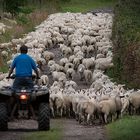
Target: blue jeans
column 21, row 82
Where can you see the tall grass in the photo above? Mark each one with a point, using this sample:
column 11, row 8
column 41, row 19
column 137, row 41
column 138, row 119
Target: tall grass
column 126, row 40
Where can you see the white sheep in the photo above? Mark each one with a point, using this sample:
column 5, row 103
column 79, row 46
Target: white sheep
column 88, row 76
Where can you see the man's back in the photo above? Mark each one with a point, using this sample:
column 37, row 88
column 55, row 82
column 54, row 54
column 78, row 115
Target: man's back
column 24, row 65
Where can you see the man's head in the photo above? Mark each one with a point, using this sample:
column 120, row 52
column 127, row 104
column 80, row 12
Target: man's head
column 23, row 49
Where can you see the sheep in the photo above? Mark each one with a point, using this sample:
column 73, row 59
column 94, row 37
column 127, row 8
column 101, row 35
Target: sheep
column 71, row 58
column 88, row 63
column 118, row 103
column 80, row 71
column 44, row 80
column 48, row 56
column 68, row 66
column 103, row 63
column 70, row 73
column 4, row 54
column 50, row 63
column 59, row 102
column 56, row 67
column 67, row 52
column 90, row 50
column 63, row 61
column 106, row 108
column 88, row 109
column 76, row 62
column 57, row 75
column 2, row 76
column 88, row 76
column 125, row 105
column 71, row 84
column 134, row 100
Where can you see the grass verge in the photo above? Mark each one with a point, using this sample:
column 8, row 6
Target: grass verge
column 127, row 128
column 54, row 134
column 85, row 5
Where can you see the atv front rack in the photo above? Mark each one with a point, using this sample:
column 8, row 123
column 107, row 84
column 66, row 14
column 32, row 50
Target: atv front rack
column 35, row 92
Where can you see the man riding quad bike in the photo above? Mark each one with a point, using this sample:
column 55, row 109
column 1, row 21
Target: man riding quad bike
column 23, row 100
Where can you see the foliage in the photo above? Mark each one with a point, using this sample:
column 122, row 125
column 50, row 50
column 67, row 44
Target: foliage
column 12, row 6
column 126, row 128
column 126, row 40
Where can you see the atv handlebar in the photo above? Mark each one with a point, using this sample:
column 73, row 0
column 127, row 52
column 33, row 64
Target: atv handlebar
column 13, row 77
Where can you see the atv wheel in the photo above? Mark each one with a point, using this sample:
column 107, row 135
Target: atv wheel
column 44, row 117
column 3, row 117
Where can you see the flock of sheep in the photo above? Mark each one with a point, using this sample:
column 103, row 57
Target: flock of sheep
column 86, row 48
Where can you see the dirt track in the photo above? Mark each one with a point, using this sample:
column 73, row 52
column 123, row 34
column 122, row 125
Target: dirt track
column 71, row 130
column 74, row 131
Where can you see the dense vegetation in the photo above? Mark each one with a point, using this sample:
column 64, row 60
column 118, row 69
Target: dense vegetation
column 126, row 39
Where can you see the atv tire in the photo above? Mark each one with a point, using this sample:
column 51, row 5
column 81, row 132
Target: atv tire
column 44, row 117
column 3, row 117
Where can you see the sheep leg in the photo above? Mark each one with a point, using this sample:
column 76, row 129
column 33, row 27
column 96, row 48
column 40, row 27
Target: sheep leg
column 52, row 110
column 88, row 118
column 61, row 112
column 105, row 118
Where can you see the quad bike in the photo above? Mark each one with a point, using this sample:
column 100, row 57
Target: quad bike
column 25, row 103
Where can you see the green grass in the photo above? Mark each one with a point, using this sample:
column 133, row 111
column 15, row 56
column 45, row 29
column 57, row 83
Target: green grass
column 85, row 5
column 55, row 133
column 127, row 128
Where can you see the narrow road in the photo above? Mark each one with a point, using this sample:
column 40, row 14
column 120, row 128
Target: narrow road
column 71, row 130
